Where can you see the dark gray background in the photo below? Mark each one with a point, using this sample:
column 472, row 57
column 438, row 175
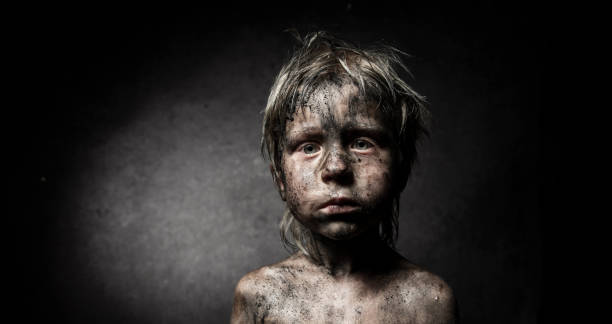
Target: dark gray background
column 151, row 198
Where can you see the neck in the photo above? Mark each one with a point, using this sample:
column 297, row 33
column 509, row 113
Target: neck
column 344, row 257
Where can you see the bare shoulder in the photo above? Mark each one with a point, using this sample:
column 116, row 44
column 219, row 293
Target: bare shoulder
column 428, row 285
column 261, row 291
column 269, row 278
column 426, row 294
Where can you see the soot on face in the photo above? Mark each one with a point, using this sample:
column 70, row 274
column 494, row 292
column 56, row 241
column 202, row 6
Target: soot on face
column 333, row 118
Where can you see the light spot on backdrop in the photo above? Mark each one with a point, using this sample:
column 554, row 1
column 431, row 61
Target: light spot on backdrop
column 169, row 207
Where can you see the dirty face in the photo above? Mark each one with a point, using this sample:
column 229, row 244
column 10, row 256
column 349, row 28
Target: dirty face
column 337, row 164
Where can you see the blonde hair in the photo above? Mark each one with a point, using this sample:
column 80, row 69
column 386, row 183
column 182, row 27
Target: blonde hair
column 375, row 72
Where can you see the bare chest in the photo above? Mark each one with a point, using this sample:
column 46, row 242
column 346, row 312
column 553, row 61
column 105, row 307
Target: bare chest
column 312, row 303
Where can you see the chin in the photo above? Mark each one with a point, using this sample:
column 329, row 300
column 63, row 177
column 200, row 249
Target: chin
column 341, row 231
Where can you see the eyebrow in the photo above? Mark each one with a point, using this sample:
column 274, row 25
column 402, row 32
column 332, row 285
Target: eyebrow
column 308, row 132
column 377, row 132
column 358, row 127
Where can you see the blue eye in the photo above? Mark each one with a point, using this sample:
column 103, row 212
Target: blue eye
column 361, row 145
column 310, row 148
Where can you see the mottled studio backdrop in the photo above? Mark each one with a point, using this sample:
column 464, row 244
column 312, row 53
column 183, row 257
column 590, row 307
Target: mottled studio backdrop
column 153, row 197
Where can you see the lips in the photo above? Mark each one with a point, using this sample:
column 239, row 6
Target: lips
column 340, row 205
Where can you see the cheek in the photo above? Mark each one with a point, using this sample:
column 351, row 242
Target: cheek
column 373, row 175
column 298, row 183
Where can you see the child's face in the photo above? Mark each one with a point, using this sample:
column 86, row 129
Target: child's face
column 337, row 164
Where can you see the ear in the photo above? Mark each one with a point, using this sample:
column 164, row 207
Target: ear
column 278, row 180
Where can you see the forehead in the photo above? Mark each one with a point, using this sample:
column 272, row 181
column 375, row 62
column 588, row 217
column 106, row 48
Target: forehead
column 332, row 107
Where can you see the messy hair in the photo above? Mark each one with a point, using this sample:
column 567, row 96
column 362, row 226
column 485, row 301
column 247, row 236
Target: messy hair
column 375, row 71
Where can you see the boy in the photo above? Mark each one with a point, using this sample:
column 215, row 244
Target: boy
column 340, row 130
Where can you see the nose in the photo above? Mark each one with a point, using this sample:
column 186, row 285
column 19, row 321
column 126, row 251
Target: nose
column 336, row 167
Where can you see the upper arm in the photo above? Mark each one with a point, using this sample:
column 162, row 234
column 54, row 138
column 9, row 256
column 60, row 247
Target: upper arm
column 441, row 305
column 252, row 298
column 445, row 310
column 429, row 299
column 240, row 308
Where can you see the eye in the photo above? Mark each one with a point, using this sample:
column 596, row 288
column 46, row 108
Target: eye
column 310, row 148
column 361, row 145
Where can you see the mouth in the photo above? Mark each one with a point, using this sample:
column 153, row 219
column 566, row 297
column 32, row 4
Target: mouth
column 340, row 205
